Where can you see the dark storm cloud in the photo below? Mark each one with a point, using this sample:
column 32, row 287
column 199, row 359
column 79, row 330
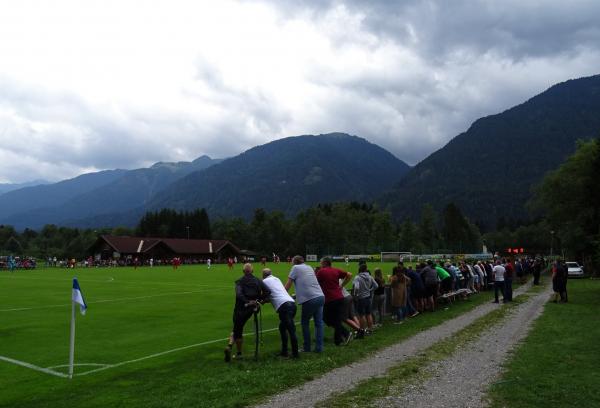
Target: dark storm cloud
column 407, row 75
column 515, row 29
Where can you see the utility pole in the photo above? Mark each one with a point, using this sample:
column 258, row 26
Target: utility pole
column 188, row 232
column 551, row 243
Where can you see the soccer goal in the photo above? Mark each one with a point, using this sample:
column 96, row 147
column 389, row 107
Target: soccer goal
column 395, row 256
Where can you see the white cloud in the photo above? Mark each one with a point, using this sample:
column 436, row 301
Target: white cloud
column 105, row 84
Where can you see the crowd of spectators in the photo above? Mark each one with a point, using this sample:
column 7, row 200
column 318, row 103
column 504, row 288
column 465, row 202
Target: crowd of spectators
column 357, row 312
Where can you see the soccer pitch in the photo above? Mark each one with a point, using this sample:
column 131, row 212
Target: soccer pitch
column 154, row 337
column 135, row 318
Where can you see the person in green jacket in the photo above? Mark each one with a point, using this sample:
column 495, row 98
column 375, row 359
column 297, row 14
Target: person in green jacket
column 445, row 279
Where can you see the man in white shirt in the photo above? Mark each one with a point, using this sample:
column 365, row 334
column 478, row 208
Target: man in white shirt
column 499, row 272
column 285, row 307
column 310, row 296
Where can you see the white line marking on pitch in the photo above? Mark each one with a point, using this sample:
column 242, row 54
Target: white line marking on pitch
column 165, row 352
column 78, row 365
column 103, row 367
column 33, row 367
column 111, row 300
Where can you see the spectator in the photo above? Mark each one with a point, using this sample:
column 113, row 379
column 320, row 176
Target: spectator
column 333, row 310
column 379, row 296
column 508, row 278
column 363, row 286
column 430, row 279
column 499, row 272
column 285, row 307
column 444, row 278
column 249, row 292
column 417, row 290
column 398, row 285
column 310, row 296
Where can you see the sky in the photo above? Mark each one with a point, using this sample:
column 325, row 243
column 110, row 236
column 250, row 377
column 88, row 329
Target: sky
column 90, row 85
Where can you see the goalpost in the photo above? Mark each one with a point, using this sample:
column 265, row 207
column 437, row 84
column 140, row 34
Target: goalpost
column 395, row 256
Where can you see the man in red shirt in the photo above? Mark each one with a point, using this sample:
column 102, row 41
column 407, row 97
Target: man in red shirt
column 329, row 280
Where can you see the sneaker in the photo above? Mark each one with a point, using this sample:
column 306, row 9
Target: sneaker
column 348, row 339
column 238, row 356
column 361, row 334
column 414, row 314
column 399, row 322
column 227, row 354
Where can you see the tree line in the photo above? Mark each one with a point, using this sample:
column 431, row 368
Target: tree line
column 337, row 228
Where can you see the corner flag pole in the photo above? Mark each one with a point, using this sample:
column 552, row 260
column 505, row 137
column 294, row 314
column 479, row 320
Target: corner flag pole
column 72, row 345
column 76, row 298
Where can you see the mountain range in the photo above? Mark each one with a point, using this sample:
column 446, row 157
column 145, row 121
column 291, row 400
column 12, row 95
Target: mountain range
column 488, row 171
column 93, row 194
column 6, row 187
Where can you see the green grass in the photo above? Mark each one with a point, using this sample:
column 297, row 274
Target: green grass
column 559, row 362
column 417, row 369
column 136, row 313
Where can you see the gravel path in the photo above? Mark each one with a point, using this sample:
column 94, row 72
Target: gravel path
column 463, row 379
column 345, row 378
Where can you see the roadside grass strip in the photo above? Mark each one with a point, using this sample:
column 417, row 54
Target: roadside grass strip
column 559, row 361
column 417, row 369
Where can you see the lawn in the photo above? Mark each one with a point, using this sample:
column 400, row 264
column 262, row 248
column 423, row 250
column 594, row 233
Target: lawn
column 183, row 316
column 559, row 363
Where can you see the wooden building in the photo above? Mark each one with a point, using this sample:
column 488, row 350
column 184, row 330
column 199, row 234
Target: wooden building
column 112, row 247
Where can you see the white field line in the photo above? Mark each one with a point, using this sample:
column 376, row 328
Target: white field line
column 78, row 365
column 114, row 300
column 33, row 367
column 162, row 353
column 103, row 367
column 109, row 279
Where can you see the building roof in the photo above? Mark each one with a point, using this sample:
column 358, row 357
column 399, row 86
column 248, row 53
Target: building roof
column 133, row 245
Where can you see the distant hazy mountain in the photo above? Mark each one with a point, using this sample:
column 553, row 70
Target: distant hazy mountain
column 489, row 170
column 288, row 174
column 6, row 187
column 94, row 194
column 52, row 195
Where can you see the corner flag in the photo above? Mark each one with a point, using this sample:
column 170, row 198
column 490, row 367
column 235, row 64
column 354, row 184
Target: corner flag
column 78, row 296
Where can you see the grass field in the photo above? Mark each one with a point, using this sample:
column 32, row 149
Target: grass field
column 153, row 337
column 559, row 362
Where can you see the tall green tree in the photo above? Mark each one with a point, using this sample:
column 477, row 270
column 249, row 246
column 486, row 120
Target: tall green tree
column 570, row 198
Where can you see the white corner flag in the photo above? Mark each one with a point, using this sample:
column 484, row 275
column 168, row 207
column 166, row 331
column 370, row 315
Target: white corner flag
column 76, row 298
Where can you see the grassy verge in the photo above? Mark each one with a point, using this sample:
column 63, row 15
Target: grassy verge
column 559, row 362
column 418, row 368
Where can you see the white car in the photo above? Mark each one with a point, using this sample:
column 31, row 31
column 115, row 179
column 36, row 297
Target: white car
column 574, row 270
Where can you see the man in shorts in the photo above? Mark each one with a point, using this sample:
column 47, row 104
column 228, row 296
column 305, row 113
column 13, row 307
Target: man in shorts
column 333, row 311
column 249, row 293
column 363, row 287
column 430, row 279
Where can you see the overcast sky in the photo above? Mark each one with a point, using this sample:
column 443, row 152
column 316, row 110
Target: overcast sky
column 87, row 85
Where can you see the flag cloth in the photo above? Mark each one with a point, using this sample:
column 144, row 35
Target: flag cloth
column 78, row 296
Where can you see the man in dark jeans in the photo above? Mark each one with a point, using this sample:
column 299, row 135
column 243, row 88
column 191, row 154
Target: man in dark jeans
column 508, row 278
column 333, row 311
column 285, row 307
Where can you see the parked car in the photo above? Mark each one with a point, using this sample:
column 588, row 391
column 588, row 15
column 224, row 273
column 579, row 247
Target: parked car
column 574, row 270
